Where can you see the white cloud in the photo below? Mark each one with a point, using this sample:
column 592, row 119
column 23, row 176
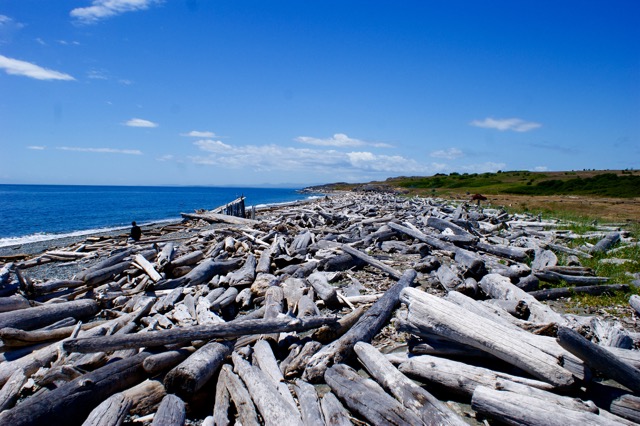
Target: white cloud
column 37, row 147
column 97, row 75
column 167, row 157
column 102, row 9
column 212, row 146
column 17, row 67
column 540, row 168
column 101, row 150
column 266, row 158
column 199, row 134
column 502, row 124
column 139, row 122
column 448, row 154
column 339, row 140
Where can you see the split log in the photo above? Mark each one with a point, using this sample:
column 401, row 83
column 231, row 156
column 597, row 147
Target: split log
column 171, row 412
column 441, row 317
column 194, row 372
column 265, row 360
column 333, row 411
column 410, row 395
column 228, row 330
column 309, row 403
column 112, row 411
column 275, row 410
column 367, row 398
column 363, row 331
column 458, row 377
column 30, row 318
column 236, row 391
column 557, row 293
column 71, row 403
column 599, row 358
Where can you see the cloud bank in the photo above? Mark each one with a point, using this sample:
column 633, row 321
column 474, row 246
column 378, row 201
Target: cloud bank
column 101, row 150
column 27, row 69
column 338, row 140
column 502, row 124
column 449, row 154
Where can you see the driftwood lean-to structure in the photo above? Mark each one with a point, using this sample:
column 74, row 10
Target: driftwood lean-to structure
column 355, row 308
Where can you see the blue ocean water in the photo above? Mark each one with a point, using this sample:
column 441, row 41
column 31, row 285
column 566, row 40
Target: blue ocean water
column 41, row 212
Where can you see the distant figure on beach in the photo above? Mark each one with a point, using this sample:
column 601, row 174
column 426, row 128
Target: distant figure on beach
column 136, row 232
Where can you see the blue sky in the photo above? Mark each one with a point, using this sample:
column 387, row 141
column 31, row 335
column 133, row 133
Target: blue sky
column 147, row 92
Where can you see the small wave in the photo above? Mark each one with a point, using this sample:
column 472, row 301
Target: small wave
column 39, row 237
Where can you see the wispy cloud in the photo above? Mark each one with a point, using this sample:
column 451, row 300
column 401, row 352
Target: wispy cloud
column 199, row 134
column 27, row 69
column 102, row 9
column 448, row 154
column 101, row 150
column 167, row 157
column 213, row 146
column 139, row 122
column 8, row 27
column 37, row 147
column 339, row 140
column 502, row 124
column 557, row 148
column 541, row 168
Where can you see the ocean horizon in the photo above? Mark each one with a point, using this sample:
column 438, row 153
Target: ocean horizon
column 32, row 213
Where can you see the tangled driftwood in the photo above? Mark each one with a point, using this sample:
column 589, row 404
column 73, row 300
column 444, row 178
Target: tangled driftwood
column 249, row 320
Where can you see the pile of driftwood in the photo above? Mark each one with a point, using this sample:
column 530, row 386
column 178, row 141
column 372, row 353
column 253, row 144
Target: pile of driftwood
column 353, row 309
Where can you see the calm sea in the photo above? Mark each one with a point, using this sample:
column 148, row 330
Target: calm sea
column 31, row 213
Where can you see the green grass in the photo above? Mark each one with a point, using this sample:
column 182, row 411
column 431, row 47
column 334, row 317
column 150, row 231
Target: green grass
column 624, row 184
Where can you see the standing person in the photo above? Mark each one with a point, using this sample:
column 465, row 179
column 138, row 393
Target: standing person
column 136, row 232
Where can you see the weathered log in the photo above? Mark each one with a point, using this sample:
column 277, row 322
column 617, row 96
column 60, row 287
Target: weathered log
column 499, row 287
column 13, row 337
column 11, row 389
column 30, row 318
column 446, row 319
column 156, row 363
column 165, row 256
column 543, row 259
column 516, row 409
column 367, row 398
column 110, row 272
column 265, row 360
column 296, row 362
column 333, row 411
column 112, row 411
column 225, row 299
column 514, row 253
column 371, row 261
column 194, row 372
column 599, row 358
column 171, row 412
column 410, row 395
column 246, row 274
column 634, row 301
column 363, row 331
column 147, row 267
column 13, row 303
column 309, row 403
column 70, row 403
column 188, row 259
column 201, row 274
column 275, row 410
column 226, row 330
column 605, row 243
column 557, row 293
column 554, row 277
column 219, row 218
column 50, row 286
column 103, row 264
column 324, row 290
column 458, row 377
column 236, row 391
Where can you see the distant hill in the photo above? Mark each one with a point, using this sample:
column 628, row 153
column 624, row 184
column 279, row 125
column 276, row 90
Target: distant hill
column 599, row 183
